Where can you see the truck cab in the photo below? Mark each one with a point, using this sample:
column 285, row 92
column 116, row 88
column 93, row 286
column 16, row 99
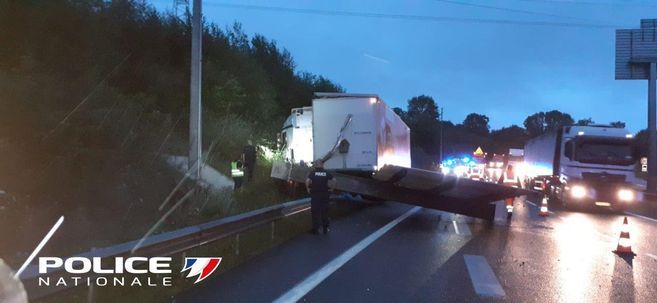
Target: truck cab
column 598, row 165
column 591, row 165
column 296, row 136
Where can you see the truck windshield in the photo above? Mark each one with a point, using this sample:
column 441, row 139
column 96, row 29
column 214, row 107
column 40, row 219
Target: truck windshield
column 605, row 153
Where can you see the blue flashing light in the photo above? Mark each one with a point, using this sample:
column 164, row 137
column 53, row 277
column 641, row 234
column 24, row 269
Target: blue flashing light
column 465, row 160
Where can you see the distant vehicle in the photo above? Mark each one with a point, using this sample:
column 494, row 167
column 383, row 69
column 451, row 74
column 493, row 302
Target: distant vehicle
column 350, row 132
column 494, row 168
column 584, row 165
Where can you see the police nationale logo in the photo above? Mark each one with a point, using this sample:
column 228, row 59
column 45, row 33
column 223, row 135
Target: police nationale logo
column 201, row 267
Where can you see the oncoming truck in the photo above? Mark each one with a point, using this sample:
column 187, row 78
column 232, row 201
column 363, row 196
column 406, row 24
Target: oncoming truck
column 584, row 165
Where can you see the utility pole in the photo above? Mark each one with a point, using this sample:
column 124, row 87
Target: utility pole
column 440, row 150
column 652, row 130
column 194, row 164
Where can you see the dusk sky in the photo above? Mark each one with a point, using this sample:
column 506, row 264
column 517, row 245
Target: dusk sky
column 505, row 70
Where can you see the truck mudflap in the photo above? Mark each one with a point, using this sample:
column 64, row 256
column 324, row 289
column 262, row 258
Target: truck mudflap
column 419, row 187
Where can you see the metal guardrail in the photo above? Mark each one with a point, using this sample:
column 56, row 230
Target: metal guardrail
column 172, row 242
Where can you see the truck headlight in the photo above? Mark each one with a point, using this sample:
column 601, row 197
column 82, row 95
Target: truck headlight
column 578, row 191
column 625, row 194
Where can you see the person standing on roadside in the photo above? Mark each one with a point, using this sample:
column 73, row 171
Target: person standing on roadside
column 319, row 184
column 249, row 160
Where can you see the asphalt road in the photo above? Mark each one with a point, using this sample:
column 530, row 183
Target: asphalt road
column 399, row 253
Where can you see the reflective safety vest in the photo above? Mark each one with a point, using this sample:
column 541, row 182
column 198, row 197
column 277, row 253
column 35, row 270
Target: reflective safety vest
column 236, row 172
column 510, row 178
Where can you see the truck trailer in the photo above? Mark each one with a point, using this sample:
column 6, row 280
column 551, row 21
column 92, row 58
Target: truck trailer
column 584, row 165
column 350, row 132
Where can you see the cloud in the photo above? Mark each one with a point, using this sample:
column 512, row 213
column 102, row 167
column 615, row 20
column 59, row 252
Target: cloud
column 375, row 58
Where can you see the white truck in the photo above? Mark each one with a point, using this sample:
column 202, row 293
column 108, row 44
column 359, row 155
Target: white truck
column 584, row 165
column 367, row 147
column 350, row 132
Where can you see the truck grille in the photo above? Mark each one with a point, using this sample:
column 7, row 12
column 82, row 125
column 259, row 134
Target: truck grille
column 603, row 178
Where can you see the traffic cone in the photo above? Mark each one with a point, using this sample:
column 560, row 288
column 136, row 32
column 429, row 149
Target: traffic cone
column 544, row 208
column 624, row 244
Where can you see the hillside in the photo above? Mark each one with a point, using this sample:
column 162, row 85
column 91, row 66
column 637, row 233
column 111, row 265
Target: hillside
column 92, row 93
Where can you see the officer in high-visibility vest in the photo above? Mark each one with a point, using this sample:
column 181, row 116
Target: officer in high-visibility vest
column 509, row 178
column 237, row 173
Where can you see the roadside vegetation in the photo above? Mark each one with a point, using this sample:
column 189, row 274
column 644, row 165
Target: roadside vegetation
column 94, row 93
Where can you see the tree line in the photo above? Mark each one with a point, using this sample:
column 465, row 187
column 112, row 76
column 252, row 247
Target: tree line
column 422, row 115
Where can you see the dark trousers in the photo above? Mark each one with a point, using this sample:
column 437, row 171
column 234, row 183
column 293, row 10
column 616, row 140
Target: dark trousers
column 319, row 208
column 248, row 171
column 237, row 182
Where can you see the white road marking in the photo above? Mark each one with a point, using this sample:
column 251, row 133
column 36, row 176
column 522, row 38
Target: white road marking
column 652, row 256
column 304, row 287
column 640, row 216
column 40, row 246
column 483, row 278
column 530, row 202
column 464, row 230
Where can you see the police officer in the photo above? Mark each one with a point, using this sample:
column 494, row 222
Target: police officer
column 319, row 183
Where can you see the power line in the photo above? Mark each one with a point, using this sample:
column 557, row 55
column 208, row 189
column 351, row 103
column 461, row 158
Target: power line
column 511, row 10
column 597, row 3
column 410, row 17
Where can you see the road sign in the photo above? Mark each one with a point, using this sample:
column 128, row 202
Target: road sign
column 479, row 152
column 634, row 49
column 636, row 59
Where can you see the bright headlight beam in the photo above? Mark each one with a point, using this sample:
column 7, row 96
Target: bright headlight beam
column 578, row 191
column 625, row 195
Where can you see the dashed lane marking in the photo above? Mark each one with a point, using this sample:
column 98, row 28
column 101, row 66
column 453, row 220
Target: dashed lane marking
column 483, row 278
column 304, row 287
column 461, row 229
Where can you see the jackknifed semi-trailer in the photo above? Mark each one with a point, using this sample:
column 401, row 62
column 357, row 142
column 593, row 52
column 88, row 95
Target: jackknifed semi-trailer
column 367, row 146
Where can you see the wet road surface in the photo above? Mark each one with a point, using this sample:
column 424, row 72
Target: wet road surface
column 398, row 253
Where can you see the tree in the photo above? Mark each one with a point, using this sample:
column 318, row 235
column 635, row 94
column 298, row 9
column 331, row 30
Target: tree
column 421, row 117
column 401, row 113
column 502, row 139
column 535, row 124
column 541, row 122
column 477, row 124
column 422, row 109
column 556, row 119
column 584, row 122
column 618, row 124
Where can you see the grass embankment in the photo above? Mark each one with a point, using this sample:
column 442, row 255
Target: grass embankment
column 234, row 251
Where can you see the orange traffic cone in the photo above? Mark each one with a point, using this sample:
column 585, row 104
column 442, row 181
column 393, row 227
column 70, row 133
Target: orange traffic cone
column 624, row 245
column 544, row 208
